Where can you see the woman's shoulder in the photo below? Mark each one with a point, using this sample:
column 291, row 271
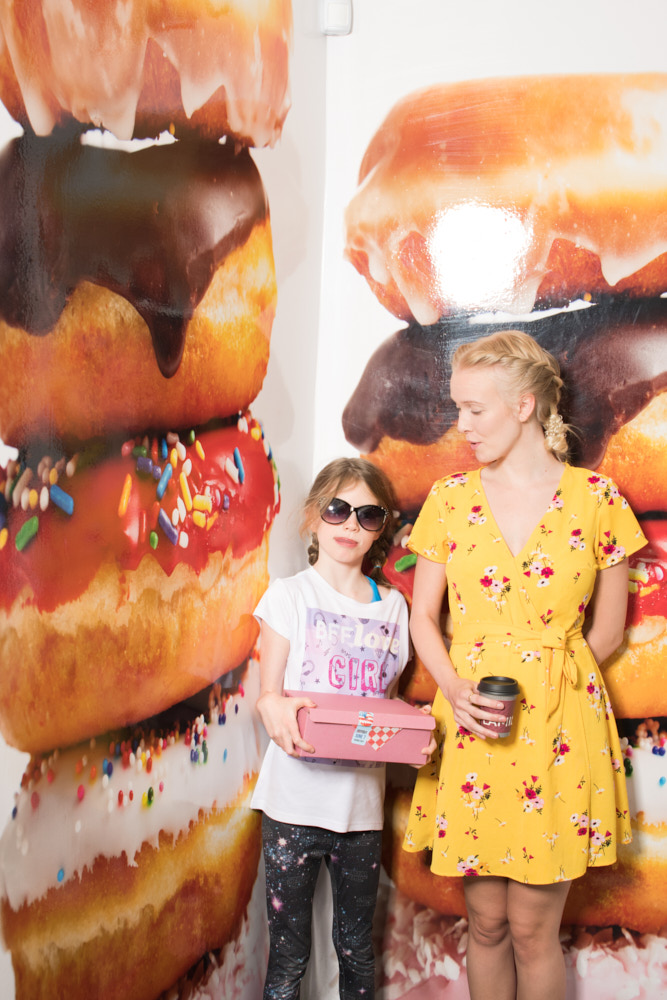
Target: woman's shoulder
column 454, row 480
column 593, row 482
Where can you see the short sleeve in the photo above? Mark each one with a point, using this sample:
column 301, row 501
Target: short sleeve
column 276, row 608
column 429, row 536
column 618, row 532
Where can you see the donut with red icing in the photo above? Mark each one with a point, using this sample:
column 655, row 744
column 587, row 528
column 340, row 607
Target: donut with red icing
column 130, row 584
column 139, row 69
column 130, row 857
column 137, row 289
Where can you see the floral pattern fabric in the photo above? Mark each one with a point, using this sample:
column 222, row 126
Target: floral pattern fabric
column 548, row 801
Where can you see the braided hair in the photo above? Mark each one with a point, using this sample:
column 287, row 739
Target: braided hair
column 527, row 369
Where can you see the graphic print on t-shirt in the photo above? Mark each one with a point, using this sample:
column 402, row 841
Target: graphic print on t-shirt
column 349, row 655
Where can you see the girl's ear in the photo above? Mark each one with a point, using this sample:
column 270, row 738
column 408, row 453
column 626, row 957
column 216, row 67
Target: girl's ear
column 526, row 407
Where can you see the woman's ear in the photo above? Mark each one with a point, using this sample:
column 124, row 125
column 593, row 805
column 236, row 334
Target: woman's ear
column 526, row 407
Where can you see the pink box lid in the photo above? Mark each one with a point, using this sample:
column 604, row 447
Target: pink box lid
column 344, row 709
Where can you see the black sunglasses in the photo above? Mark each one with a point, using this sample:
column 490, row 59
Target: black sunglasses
column 370, row 515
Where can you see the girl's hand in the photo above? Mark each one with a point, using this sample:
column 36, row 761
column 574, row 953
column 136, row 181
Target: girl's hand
column 279, row 715
column 432, row 746
column 468, row 706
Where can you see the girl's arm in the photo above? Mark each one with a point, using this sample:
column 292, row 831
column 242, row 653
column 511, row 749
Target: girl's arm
column 427, row 595
column 609, row 603
column 278, row 712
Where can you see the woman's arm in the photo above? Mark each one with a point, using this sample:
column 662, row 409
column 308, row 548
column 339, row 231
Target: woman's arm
column 278, row 712
column 609, row 604
column 427, row 596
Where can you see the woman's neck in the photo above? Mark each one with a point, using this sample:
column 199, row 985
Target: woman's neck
column 529, row 462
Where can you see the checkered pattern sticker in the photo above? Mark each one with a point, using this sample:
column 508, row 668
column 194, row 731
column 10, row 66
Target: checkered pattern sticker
column 381, row 735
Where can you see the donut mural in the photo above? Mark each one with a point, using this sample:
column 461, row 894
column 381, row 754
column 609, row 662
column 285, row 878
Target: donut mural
column 489, row 204
column 138, row 491
column 136, row 326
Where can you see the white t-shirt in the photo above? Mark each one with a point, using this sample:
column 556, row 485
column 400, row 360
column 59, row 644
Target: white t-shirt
column 337, row 645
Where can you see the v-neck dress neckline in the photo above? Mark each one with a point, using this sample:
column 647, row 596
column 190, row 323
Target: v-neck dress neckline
column 514, row 556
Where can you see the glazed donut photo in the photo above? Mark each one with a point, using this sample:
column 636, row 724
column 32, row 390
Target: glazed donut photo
column 138, row 70
column 514, row 166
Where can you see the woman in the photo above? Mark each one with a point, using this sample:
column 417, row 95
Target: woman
column 524, row 546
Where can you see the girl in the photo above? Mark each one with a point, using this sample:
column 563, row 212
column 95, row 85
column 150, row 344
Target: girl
column 330, row 628
column 524, row 546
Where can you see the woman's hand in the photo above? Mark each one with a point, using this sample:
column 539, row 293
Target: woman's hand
column 279, row 715
column 468, row 706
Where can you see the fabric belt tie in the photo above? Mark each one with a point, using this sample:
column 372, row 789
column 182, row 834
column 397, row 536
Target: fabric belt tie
column 559, row 667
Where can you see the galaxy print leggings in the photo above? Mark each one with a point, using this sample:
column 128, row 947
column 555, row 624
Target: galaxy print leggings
column 292, row 856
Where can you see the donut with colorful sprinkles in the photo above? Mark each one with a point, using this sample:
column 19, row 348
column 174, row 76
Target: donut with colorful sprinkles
column 133, row 570
column 129, row 857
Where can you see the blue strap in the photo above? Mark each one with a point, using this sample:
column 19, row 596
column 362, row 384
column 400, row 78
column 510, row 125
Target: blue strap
column 374, row 587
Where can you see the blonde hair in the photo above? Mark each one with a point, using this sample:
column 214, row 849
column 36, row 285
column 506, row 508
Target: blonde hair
column 527, row 369
column 337, row 475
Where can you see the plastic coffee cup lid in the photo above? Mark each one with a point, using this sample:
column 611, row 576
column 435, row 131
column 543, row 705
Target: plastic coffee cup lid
column 498, row 686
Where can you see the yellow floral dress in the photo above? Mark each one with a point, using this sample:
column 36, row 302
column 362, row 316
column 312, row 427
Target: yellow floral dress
column 546, row 802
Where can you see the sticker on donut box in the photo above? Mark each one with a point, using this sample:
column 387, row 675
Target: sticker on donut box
column 352, row 727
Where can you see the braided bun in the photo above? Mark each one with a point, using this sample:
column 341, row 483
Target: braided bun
column 555, row 435
column 527, row 369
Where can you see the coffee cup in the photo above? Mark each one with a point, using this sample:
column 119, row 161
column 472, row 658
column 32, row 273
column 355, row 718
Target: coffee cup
column 505, row 689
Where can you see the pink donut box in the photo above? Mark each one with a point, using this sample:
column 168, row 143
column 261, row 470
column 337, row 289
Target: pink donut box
column 351, row 727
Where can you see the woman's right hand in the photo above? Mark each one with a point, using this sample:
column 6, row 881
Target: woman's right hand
column 427, row 595
column 279, row 715
column 469, row 706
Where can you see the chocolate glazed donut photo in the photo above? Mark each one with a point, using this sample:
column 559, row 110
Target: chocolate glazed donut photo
column 536, row 204
column 138, row 490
